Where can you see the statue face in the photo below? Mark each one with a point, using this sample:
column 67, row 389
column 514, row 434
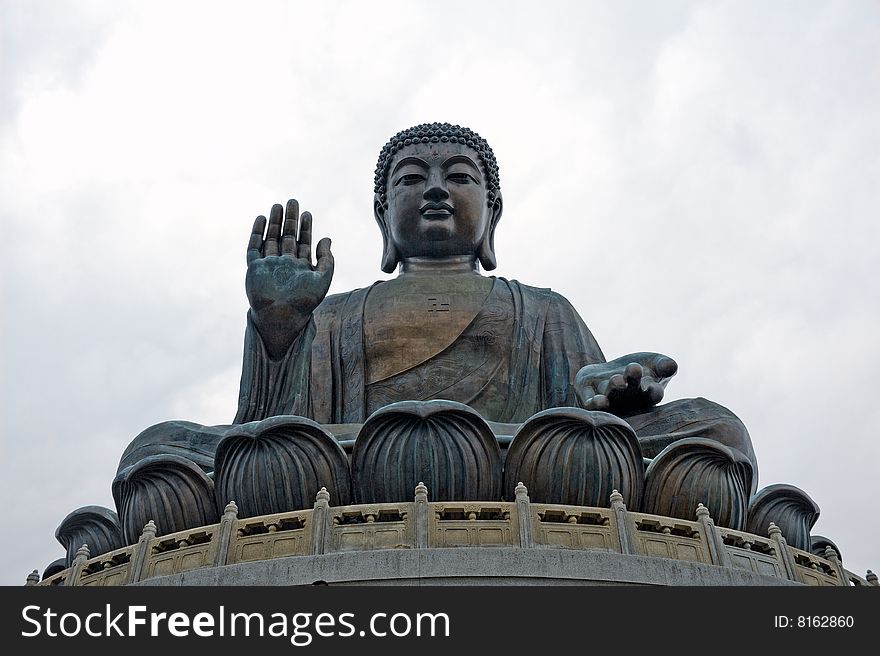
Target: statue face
column 436, row 202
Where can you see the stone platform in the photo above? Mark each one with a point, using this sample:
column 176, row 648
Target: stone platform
column 469, row 566
column 471, row 543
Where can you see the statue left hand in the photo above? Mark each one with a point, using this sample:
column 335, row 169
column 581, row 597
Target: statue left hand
column 628, row 385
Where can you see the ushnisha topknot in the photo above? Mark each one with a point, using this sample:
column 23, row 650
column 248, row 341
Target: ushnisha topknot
column 434, row 133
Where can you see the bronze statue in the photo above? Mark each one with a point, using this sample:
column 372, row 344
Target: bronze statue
column 439, row 330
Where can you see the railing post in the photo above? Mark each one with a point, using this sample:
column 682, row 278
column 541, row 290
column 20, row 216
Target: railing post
column 79, row 561
column 320, row 518
column 524, row 516
column 33, row 578
column 421, row 518
column 831, row 556
column 224, row 533
column 142, row 552
column 627, row 544
column 717, row 551
column 775, row 534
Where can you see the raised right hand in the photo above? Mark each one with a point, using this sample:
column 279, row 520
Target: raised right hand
column 283, row 287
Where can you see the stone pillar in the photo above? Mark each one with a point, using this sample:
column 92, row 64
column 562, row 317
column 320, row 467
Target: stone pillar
column 82, row 555
column 717, row 551
column 421, row 516
column 831, row 556
column 141, row 555
column 33, row 578
column 871, row 578
column 320, row 519
column 224, row 533
column 785, row 556
column 524, row 516
column 621, row 518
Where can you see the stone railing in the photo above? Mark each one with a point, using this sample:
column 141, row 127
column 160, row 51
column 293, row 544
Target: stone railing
column 421, row 524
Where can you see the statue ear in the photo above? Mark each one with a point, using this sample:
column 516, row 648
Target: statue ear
column 487, row 247
column 390, row 257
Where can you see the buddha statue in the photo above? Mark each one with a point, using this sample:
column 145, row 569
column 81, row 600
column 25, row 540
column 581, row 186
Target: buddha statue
column 439, row 330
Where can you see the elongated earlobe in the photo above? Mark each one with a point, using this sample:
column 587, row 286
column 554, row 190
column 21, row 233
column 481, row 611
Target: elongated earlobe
column 487, row 254
column 390, row 256
column 487, row 247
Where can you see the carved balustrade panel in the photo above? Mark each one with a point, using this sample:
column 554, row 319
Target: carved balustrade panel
column 574, row 527
column 473, row 525
column 668, row 537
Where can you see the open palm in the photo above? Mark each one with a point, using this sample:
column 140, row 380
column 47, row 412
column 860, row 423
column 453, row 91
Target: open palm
column 283, row 286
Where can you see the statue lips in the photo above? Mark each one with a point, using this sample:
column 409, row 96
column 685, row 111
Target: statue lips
column 436, row 211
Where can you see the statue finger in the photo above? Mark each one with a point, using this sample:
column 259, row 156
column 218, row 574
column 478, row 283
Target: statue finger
column 652, row 391
column 633, row 374
column 615, row 387
column 273, row 233
column 325, row 263
column 599, row 403
column 584, row 391
column 288, row 241
column 288, row 230
column 292, row 211
column 304, row 241
column 255, row 244
column 665, row 367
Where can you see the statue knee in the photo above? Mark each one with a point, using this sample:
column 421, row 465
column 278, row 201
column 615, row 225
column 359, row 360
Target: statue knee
column 722, row 425
column 180, row 438
column 170, row 460
column 688, row 418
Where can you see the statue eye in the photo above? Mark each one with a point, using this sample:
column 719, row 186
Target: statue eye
column 409, row 179
column 461, row 178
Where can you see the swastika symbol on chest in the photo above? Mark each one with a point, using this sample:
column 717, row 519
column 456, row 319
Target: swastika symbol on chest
column 438, row 304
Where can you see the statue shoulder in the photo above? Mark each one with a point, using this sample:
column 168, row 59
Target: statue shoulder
column 334, row 305
column 522, row 288
column 333, row 302
column 554, row 300
column 563, row 329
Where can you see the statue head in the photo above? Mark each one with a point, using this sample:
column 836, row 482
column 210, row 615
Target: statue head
column 437, row 195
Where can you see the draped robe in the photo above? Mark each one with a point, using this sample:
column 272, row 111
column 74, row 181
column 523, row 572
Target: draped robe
column 518, row 355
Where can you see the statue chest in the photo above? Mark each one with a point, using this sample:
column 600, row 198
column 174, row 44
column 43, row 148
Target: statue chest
column 407, row 321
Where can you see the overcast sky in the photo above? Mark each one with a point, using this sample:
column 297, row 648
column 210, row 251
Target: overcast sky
column 699, row 179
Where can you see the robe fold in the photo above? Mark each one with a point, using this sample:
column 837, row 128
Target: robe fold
column 519, row 355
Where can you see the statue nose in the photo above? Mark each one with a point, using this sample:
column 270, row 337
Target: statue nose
column 436, row 189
